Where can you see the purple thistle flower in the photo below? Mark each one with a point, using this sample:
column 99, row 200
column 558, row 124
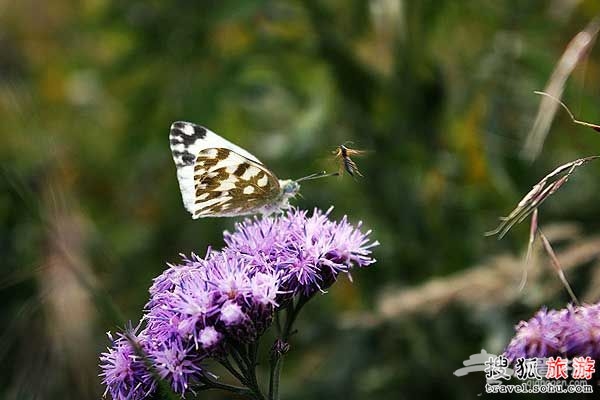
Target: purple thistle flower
column 582, row 333
column 123, row 372
column 264, row 288
column 177, row 364
column 232, row 314
column 198, row 308
column 308, row 252
column 176, row 273
column 209, row 338
column 229, row 277
column 570, row 332
column 538, row 337
column 164, row 325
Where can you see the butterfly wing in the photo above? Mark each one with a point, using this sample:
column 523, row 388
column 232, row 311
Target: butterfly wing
column 216, row 177
column 227, row 184
column 188, row 139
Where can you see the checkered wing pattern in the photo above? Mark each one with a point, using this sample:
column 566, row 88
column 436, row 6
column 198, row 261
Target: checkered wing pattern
column 218, row 178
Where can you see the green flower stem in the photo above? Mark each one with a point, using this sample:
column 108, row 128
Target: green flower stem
column 252, row 362
column 292, row 312
column 239, row 358
column 278, row 324
column 245, row 360
column 208, row 384
column 239, row 376
column 276, row 363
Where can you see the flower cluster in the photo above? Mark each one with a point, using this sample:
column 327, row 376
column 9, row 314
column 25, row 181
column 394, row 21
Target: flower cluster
column 198, row 308
column 570, row 332
column 124, row 370
column 307, row 252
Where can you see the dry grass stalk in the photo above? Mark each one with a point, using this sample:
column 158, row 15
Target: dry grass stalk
column 538, row 194
column 492, row 284
column 564, row 106
column 574, row 53
column 529, row 206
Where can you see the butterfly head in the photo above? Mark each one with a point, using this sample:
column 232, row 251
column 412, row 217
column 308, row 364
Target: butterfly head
column 289, row 188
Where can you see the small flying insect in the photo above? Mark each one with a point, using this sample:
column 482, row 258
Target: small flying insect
column 343, row 153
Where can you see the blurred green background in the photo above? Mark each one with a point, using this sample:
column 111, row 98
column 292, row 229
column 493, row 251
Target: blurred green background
column 441, row 94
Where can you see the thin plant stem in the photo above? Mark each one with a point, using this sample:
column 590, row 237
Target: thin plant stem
column 247, row 379
column 275, row 373
column 532, row 234
column 245, row 359
column 292, row 312
column 278, row 324
column 238, row 375
column 208, row 384
column 564, row 106
column 557, row 267
column 238, row 358
column 252, row 362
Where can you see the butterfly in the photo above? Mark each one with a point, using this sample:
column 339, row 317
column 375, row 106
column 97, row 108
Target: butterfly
column 220, row 179
column 343, row 153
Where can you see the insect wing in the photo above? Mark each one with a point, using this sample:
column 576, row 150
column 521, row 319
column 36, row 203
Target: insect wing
column 227, row 184
column 187, row 140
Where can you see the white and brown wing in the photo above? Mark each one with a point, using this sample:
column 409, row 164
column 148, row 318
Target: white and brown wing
column 227, row 184
column 187, row 140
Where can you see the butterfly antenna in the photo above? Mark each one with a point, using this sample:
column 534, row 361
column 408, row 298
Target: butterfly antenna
column 317, row 175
